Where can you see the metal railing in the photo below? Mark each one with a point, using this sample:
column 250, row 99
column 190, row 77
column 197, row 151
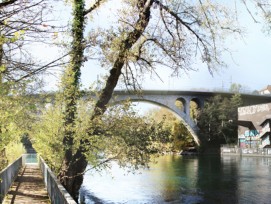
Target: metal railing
column 7, row 177
column 56, row 191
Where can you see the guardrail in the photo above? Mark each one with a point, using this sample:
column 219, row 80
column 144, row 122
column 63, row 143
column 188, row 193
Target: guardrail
column 266, row 152
column 8, row 175
column 56, row 191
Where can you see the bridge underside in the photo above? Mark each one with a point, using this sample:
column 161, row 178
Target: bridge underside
column 183, row 115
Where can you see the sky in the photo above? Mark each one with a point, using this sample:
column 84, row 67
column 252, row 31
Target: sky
column 249, row 65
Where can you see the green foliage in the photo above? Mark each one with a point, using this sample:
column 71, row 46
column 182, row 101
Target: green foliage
column 10, row 153
column 179, row 137
column 132, row 139
column 15, row 110
column 119, row 135
column 194, row 110
column 182, row 138
column 218, row 119
column 14, row 150
column 47, row 134
column 235, row 88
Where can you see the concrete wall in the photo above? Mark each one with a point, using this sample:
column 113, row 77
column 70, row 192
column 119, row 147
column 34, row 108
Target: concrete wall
column 246, row 151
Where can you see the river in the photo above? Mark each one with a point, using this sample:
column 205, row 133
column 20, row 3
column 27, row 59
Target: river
column 184, row 179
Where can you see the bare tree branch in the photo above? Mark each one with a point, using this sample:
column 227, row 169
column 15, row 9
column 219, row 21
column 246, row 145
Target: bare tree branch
column 46, row 66
column 185, row 24
column 94, row 6
column 126, row 44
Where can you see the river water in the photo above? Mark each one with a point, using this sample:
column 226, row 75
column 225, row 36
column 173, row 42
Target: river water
column 184, row 179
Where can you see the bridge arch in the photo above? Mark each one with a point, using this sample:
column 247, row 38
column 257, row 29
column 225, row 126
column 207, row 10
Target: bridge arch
column 195, row 105
column 181, row 104
column 168, row 98
column 181, row 115
column 198, row 102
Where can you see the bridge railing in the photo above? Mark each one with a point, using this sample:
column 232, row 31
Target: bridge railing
column 8, row 175
column 56, row 191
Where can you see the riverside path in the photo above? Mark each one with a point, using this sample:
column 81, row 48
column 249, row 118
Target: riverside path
column 28, row 187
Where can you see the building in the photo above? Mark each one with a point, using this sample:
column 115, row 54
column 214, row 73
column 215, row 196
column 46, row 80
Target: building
column 254, row 126
column 265, row 133
column 266, row 91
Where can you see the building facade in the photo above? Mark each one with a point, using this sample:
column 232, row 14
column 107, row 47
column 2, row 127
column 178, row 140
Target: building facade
column 266, row 90
column 254, row 126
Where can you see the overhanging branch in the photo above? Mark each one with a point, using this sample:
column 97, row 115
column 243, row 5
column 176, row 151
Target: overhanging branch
column 93, row 7
column 6, row 3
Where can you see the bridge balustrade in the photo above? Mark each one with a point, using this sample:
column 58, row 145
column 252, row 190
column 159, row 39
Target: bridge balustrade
column 8, row 175
column 56, row 191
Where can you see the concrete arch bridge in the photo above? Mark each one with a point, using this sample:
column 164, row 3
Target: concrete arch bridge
column 168, row 100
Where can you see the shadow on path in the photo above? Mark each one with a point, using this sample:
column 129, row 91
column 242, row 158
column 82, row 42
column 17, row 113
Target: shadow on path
column 28, row 187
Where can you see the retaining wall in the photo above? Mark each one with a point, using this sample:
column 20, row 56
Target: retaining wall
column 266, row 152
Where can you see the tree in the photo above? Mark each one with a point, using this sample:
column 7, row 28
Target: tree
column 25, row 25
column 15, row 120
column 21, row 23
column 154, row 33
column 179, row 137
column 218, row 119
column 235, row 88
column 147, row 36
column 123, row 136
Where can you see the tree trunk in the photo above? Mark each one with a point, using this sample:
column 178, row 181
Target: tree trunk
column 144, row 7
column 74, row 165
column 1, row 62
column 72, row 177
column 71, row 83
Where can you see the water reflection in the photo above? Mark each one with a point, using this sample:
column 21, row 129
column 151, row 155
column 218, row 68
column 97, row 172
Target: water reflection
column 177, row 179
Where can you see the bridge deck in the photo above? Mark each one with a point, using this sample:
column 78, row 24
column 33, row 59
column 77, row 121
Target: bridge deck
column 28, row 187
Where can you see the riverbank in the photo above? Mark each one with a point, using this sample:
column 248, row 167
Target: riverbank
column 256, row 152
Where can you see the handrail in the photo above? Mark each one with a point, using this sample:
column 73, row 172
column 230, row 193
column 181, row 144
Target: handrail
column 7, row 177
column 57, row 193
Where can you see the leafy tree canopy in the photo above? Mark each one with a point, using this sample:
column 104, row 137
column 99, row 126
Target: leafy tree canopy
column 180, row 138
column 122, row 136
column 218, row 119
